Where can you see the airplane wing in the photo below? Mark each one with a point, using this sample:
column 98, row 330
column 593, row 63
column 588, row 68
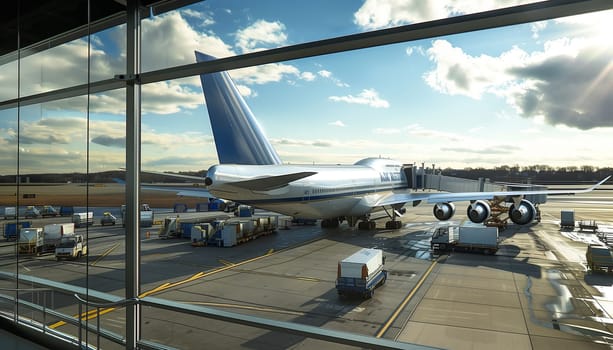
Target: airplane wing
column 185, row 191
column 271, row 182
column 194, row 191
column 397, row 198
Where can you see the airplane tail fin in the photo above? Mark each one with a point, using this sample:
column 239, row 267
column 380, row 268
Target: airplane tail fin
column 238, row 136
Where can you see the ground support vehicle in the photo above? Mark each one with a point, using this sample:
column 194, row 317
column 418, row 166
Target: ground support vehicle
column 228, row 233
column 49, row 211
column 31, row 212
column 468, row 236
column 71, row 247
column 35, row 240
column 83, row 219
column 361, row 273
column 599, row 258
column 108, row 219
column 146, row 215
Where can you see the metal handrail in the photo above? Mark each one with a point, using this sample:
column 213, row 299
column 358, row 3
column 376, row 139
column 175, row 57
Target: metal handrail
column 98, row 306
column 120, row 303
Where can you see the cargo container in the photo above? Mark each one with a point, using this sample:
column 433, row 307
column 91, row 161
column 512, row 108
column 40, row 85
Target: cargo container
column 11, row 230
column 59, row 229
column 83, row 219
column 361, row 273
column 66, row 210
column 599, row 258
column 466, row 237
column 244, row 211
column 199, row 234
column 567, row 219
column 216, row 204
column 10, row 213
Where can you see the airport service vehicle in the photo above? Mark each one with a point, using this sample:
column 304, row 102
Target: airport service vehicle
column 31, row 212
column 233, row 231
column 83, row 219
column 10, row 213
column 146, row 215
column 48, row 211
column 71, row 247
column 37, row 240
column 361, row 273
column 108, row 219
column 466, row 237
column 250, row 172
column 11, row 230
column 599, row 257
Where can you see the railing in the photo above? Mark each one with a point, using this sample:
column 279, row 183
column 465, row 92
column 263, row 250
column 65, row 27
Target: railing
column 106, row 301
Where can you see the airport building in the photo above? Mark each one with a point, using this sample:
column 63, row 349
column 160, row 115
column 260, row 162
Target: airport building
column 87, row 90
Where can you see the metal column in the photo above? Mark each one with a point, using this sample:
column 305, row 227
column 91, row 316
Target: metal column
column 132, row 172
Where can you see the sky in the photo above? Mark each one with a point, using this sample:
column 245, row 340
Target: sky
column 538, row 93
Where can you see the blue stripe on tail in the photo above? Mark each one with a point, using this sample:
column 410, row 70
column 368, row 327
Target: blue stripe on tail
column 238, row 136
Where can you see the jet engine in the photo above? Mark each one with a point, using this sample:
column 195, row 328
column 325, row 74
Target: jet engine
column 443, row 211
column 478, row 211
column 522, row 214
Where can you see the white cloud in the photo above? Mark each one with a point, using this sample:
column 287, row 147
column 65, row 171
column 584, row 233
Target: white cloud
column 537, row 27
column 457, row 73
column 375, row 14
column 328, row 75
column 325, row 73
column 308, row 76
column 260, row 35
column 566, row 83
column 337, row 123
column 369, row 97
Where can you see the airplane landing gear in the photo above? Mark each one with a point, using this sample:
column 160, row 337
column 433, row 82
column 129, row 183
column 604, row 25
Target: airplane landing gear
column 367, row 225
column 393, row 225
column 330, row 223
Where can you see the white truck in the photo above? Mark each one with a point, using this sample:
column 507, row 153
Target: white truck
column 83, row 219
column 466, row 237
column 361, row 273
column 71, row 247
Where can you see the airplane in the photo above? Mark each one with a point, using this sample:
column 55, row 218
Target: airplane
column 250, row 172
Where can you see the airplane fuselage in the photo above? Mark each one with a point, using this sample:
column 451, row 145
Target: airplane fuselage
column 333, row 191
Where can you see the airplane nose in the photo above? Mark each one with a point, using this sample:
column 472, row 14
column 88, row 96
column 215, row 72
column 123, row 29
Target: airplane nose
column 208, row 181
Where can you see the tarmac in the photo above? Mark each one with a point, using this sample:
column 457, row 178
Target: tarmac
column 534, row 293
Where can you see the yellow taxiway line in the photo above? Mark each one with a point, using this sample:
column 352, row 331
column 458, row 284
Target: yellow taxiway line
column 107, row 252
column 94, row 313
column 406, row 300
